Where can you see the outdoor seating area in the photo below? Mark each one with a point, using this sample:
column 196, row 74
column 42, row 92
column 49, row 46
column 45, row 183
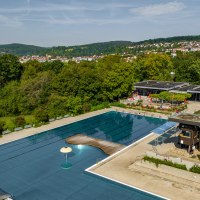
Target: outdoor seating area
column 154, row 104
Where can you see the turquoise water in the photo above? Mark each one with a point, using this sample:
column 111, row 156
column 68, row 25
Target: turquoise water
column 31, row 167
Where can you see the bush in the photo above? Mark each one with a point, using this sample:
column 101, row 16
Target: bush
column 9, row 123
column 20, row 121
column 30, row 119
column 195, row 169
column 41, row 116
column 117, row 104
column 86, row 107
column 100, row 106
column 2, row 123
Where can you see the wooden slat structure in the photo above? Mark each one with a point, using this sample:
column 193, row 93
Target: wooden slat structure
column 106, row 146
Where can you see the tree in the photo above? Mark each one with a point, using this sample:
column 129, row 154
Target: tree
column 74, row 105
column 10, row 98
column 57, row 105
column 118, row 82
column 154, row 67
column 10, row 69
column 56, row 66
column 169, row 96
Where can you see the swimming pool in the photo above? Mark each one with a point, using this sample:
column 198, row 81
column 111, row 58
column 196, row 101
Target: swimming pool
column 31, row 167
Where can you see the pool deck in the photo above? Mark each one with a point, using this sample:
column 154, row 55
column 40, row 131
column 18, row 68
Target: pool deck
column 120, row 168
column 108, row 147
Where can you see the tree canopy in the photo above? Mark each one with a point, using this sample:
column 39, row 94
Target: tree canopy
column 58, row 88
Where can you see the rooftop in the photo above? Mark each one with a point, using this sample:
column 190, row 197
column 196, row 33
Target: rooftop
column 177, row 87
column 161, row 85
column 186, row 118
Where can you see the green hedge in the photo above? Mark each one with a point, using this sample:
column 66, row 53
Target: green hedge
column 195, row 169
column 100, row 106
column 164, row 162
column 117, row 104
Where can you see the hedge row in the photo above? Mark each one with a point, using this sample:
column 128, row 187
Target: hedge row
column 194, row 169
column 164, row 162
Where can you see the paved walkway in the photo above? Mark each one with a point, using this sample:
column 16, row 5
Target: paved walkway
column 117, row 168
column 192, row 107
column 140, row 112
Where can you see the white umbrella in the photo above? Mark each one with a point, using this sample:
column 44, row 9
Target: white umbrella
column 65, row 150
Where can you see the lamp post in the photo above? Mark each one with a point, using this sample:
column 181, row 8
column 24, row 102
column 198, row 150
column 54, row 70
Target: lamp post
column 172, row 76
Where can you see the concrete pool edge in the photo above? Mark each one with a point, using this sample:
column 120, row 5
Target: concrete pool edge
column 17, row 135
column 88, row 170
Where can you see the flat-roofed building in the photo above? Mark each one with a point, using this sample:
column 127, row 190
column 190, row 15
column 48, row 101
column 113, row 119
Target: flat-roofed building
column 155, row 87
column 189, row 125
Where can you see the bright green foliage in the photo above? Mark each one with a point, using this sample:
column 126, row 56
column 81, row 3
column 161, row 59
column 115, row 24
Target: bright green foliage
column 187, row 67
column 74, row 105
column 100, row 106
column 154, row 67
column 53, row 89
column 169, row 96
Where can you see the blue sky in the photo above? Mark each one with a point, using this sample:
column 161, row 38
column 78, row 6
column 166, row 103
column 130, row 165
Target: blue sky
column 72, row 22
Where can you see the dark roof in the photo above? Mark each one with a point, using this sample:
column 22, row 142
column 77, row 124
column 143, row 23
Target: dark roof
column 195, row 90
column 186, row 88
column 161, row 85
column 186, row 118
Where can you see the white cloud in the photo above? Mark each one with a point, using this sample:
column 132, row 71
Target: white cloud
column 158, row 9
column 48, row 8
column 78, row 21
column 8, row 21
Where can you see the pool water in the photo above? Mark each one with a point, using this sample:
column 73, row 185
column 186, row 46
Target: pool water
column 31, row 167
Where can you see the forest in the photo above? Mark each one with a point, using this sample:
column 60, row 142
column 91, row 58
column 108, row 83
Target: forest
column 35, row 92
column 101, row 48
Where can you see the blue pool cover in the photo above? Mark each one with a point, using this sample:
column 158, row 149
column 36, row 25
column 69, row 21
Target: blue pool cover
column 163, row 128
column 31, row 167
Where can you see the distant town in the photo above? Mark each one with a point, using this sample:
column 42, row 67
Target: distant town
column 133, row 50
column 49, row 58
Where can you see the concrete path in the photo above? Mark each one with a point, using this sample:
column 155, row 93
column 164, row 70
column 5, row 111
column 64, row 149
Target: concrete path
column 192, row 107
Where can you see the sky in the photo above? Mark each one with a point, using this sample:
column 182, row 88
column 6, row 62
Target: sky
column 74, row 22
